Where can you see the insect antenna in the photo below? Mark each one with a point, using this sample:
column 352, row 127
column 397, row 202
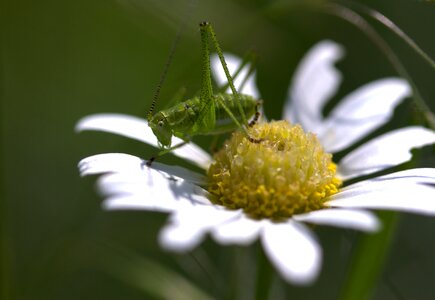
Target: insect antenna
column 174, row 45
column 164, row 73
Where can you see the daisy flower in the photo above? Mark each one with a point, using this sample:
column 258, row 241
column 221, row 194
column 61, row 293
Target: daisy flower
column 270, row 190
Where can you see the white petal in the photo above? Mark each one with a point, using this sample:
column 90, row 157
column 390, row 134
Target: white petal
column 354, row 219
column 152, row 185
column 314, row 82
column 188, row 225
column 361, row 112
column 233, row 63
column 180, row 172
column 385, row 151
column 109, row 162
column 181, row 237
column 138, row 129
column 137, row 202
column 419, row 175
column 293, row 250
column 414, row 198
column 121, row 162
column 240, row 231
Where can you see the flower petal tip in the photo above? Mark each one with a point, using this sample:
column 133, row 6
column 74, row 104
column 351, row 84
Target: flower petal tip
column 175, row 239
column 298, row 257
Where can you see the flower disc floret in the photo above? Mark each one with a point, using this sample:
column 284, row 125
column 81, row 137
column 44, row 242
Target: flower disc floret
column 276, row 172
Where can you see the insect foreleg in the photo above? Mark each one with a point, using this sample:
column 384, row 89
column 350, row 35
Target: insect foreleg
column 213, row 144
column 256, row 115
column 165, row 151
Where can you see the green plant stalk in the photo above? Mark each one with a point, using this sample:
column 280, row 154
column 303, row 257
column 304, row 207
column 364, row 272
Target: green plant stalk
column 148, row 276
column 369, row 259
column 5, row 287
column 394, row 29
column 265, row 274
column 358, row 21
column 354, row 18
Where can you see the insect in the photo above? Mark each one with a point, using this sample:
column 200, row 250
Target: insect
column 208, row 114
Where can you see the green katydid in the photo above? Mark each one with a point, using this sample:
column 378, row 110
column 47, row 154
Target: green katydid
column 207, row 114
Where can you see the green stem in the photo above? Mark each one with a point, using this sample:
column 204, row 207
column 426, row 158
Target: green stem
column 358, row 21
column 355, row 19
column 5, row 263
column 5, row 285
column 395, row 29
column 369, row 259
column 265, row 275
column 146, row 275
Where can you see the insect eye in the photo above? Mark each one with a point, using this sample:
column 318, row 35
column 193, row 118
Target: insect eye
column 160, row 123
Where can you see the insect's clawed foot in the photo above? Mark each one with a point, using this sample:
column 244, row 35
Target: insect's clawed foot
column 254, row 140
column 150, row 161
column 213, row 149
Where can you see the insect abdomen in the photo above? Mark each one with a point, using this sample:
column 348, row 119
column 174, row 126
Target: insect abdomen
column 183, row 116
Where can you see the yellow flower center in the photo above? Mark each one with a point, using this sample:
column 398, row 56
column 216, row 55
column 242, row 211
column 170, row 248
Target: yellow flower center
column 286, row 173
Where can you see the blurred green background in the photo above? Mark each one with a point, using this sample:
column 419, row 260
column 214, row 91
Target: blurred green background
column 62, row 60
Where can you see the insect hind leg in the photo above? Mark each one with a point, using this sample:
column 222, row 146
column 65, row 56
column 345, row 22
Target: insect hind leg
column 208, row 32
column 241, row 74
